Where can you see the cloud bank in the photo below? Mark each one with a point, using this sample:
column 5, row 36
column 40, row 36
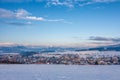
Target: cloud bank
column 104, row 39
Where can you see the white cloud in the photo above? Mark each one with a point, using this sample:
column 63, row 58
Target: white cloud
column 90, row 2
column 34, row 18
column 25, row 15
column 72, row 3
column 21, row 13
column 55, row 20
column 68, row 3
column 104, row 0
column 6, row 13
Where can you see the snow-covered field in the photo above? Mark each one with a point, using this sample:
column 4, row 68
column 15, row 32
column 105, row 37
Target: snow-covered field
column 59, row 72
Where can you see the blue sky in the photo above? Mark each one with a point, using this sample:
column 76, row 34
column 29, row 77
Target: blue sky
column 60, row 22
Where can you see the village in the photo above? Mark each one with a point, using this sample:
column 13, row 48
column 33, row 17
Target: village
column 67, row 59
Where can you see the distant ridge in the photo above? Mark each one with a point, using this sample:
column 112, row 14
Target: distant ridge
column 104, row 48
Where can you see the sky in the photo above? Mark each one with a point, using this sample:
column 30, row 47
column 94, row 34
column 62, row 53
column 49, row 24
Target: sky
column 60, row 22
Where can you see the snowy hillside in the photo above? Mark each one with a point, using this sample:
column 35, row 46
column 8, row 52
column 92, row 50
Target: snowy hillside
column 59, row 72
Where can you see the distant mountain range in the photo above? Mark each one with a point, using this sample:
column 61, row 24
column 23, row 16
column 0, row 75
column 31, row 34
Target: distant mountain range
column 23, row 49
column 17, row 49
